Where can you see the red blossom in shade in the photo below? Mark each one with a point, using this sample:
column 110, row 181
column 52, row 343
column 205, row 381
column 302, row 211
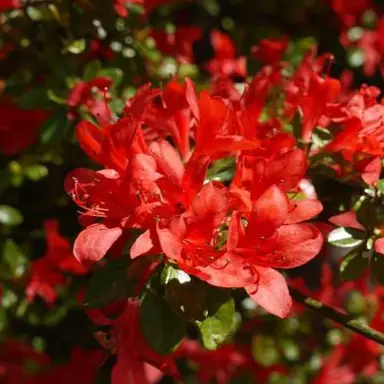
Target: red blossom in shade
column 333, row 371
column 84, row 94
column 224, row 364
column 14, row 354
column 225, row 62
column 81, row 368
column 133, row 353
column 6, row 5
column 18, row 127
column 48, row 272
column 178, row 44
column 220, row 365
column 270, row 51
column 350, row 12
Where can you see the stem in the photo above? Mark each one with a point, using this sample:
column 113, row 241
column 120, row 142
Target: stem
column 347, row 321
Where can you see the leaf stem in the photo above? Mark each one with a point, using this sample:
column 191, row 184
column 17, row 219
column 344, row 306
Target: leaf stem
column 347, row 321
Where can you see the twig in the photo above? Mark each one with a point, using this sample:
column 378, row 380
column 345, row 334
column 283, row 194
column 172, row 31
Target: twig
column 347, row 321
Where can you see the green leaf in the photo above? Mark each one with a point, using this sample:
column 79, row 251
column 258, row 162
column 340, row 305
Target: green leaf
column 116, row 74
column 264, row 350
column 91, row 70
column 161, row 327
column 76, row 47
column 366, row 214
column 36, row 172
column 10, row 216
column 377, row 267
column 33, row 99
column 353, row 265
column 109, row 284
column 187, row 295
column 345, row 237
column 53, row 96
column 54, row 128
column 14, row 257
column 219, row 325
column 380, row 186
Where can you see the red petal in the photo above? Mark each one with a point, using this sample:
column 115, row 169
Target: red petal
column 296, row 245
column 272, row 206
column 194, row 176
column 90, row 139
column 287, row 170
column 142, row 245
column 226, row 272
column 191, row 97
column 168, row 160
column 171, row 244
column 271, row 292
column 347, row 219
column 211, row 203
column 93, row 242
column 379, row 245
column 302, row 210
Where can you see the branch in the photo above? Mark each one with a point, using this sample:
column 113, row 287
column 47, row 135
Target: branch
column 337, row 316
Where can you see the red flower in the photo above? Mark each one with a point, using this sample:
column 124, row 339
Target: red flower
column 225, row 63
column 6, row 5
column 270, row 51
column 81, row 368
column 18, row 127
column 178, row 44
column 47, row 273
column 83, row 95
column 333, row 371
column 14, row 354
column 320, row 93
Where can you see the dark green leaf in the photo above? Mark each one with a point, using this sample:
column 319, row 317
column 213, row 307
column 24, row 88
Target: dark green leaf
column 377, row 266
column 161, row 327
column 366, row 214
column 109, row 284
column 187, row 295
column 34, row 99
column 54, row 128
column 10, row 216
column 353, row 265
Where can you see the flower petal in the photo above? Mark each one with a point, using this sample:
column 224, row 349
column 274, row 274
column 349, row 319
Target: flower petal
column 302, row 210
column 347, row 220
column 93, row 242
column 271, row 292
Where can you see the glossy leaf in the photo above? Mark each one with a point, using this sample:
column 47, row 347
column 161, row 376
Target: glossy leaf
column 161, row 327
column 353, row 265
column 344, row 237
column 108, row 284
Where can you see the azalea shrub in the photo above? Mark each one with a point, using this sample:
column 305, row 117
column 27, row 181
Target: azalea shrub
column 191, row 191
